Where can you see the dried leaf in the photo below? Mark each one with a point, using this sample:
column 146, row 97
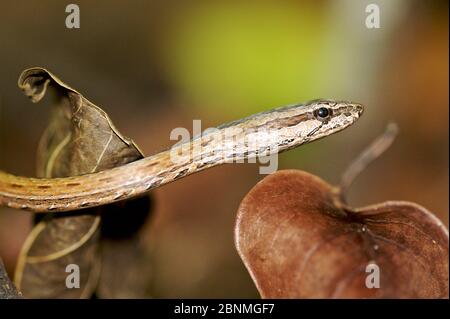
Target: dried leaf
column 79, row 139
column 298, row 240
column 126, row 271
column 7, row 288
column 127, row 263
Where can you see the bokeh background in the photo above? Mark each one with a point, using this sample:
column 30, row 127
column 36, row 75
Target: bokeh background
column 157, row 65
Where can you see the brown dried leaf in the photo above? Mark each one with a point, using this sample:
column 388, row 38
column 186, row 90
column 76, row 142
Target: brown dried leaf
column 298, row 241
column 7, row 288
column 126, row 271
column 79, row 139
column 126, row 264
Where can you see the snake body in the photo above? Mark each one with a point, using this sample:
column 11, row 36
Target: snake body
column 276, row 130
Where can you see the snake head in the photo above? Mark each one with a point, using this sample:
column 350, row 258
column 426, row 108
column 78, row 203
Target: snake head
column 326, row 117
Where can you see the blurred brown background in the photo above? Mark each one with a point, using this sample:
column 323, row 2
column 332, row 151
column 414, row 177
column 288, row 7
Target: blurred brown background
column 157, row 65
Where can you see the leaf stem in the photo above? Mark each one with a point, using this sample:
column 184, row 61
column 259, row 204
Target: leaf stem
column 372, row 152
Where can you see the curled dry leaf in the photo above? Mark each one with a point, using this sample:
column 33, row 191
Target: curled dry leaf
column 79, row 139
column 298, row 239
column 297, row 243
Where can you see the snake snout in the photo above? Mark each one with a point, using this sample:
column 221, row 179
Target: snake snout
column 359, row 109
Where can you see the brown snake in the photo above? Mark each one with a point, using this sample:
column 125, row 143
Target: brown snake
column 279, row 129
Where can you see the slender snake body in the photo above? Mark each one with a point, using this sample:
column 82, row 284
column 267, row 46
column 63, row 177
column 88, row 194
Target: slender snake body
column 279, row 129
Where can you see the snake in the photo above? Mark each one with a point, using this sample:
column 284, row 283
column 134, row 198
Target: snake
column 275, row 131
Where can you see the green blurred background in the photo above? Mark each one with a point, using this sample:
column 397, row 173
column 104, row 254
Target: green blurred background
column 157, row 65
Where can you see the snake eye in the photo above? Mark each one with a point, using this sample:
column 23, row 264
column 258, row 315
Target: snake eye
column 322, row 113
